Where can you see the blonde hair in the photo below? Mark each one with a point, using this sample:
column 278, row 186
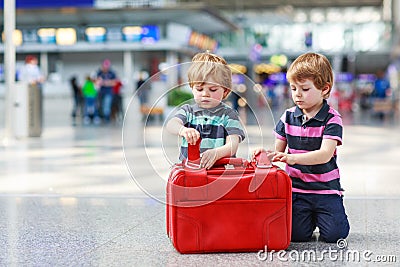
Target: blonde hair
column 207, row 65
column 312, row 66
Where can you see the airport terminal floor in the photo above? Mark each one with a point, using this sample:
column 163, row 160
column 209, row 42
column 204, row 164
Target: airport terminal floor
column 84, row 196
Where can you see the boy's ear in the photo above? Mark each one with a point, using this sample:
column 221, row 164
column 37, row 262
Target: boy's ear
column 226, row 92
column 326, row 91
column 327, row 87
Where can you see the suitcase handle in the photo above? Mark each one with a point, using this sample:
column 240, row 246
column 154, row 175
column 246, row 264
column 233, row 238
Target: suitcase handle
column 193, row 160
column 263, row 167
column 194, row 151
column 236, row 162
column 193, row 157
column 262, row 161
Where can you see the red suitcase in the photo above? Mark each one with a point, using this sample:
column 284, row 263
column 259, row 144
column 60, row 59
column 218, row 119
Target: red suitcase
column 236, row 206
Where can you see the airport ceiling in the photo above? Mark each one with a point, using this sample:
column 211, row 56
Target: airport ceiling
column 204, row 16
column 260, row 4
column 200, row 16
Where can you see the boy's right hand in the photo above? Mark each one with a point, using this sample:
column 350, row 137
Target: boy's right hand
column 190, row 134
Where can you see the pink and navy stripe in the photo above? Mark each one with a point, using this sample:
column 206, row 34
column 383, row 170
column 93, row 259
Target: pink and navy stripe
column 304, row 137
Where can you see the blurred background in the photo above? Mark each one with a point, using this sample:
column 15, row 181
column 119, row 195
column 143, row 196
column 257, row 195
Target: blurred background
column 74, row 191
column 259, row 39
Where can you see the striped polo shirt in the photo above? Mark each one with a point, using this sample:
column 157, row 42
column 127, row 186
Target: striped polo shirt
column 304, row 136
column 213, row 124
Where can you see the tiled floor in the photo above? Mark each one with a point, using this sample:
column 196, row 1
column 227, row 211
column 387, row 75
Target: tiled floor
column 93, row 196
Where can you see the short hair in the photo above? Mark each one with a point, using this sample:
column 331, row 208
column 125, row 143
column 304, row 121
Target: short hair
column 206, row 65
column 312, row 66
column 30, row 58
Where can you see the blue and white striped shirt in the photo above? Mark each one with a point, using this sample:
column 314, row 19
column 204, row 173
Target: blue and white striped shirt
column 213, row 124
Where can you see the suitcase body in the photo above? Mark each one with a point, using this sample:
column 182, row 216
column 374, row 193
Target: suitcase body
column 236, row 206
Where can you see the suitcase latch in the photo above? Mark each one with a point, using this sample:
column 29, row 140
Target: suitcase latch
column 229, row 167
column 192, row 165
column 263, row 166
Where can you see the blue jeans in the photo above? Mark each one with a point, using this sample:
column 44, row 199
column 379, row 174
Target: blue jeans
column 90, row 107
column 325, row 211
column 106, row 105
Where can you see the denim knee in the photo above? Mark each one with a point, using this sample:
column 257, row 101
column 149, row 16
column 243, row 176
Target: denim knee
column 333, row 222
column 333, row 234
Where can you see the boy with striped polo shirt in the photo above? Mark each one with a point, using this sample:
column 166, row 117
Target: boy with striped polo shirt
column 311, row 131
column 208, row 118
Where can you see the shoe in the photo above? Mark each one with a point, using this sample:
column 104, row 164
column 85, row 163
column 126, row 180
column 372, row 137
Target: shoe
column 86, row 121
column 96, row 120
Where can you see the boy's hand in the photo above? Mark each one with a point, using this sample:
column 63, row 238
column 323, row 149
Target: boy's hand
column 256, row 152
column 208, row 158
column 283, row 157
column 190, row 134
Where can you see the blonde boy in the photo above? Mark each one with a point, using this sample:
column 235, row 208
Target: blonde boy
column 217, row 124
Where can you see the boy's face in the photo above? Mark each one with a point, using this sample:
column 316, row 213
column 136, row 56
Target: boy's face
column 306, row 96
column 208, row 94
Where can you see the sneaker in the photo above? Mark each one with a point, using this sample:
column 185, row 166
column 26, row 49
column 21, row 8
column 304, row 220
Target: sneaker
column 86, row 121
column 96, row 120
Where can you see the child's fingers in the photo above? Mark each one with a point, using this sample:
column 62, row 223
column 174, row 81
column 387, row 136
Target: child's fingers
column 208, row 164
column 196, row 134
column 277, row 156
column 208, row 159
column 191, row 137
column 271, row 154
column 257, row 151
column 204, row 162
column 190, row 142
column 282, row 157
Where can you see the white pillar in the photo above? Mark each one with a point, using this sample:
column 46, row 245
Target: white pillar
column 128, row 71
column 337, row 63
column 9, row 62
column 133, row 126
column 44, row 64
column 172, row 61
column 387, row 10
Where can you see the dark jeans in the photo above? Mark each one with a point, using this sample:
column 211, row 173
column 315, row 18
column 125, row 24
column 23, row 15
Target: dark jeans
column 325, row 211
column 105, row 98
column 77, row 107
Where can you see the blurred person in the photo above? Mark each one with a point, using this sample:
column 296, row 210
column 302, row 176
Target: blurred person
column 381, row 104
column 381, row 86
column 77, row 98
column 216, row 123
column 311, row 132
column 30, row 72
column 142, row 90
column 90, row 93
column 116, row 105
column 106, row 79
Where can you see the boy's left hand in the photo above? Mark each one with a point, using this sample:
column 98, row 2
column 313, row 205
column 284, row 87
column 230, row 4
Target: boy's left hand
column 208, row 158
column 284, row 157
